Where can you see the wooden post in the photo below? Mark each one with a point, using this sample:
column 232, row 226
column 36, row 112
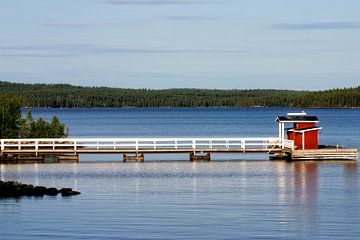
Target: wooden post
column 136, row 157
column 194, row 157
column 303, row 140
column 75, row 146
column 36, row 148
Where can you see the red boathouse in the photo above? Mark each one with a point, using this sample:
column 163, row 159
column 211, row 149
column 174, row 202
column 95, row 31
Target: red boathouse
column 304, row 132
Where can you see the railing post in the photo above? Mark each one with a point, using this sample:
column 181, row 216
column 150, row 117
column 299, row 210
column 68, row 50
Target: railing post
column 19, row 144
column 114, row 145
column 154, row 142
column 176, row 144
column 36, row 147
column 75, row 146
column 211, row 144
column 194, row 145
column 2, row 145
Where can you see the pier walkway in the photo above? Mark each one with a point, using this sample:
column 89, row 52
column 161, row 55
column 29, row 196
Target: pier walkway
column 140, row 146
column 68, row 149
column 301, row 143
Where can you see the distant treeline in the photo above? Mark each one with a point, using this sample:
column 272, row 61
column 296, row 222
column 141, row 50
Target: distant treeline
column 63, row 95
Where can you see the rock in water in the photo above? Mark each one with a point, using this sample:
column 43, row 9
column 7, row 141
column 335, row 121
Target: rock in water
column 65, row 192
column 52, row 192
column 10, row 189
column 17, row 189
column 28, row 190
column 39, row 191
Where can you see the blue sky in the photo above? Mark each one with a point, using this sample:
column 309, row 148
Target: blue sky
column 223, row 44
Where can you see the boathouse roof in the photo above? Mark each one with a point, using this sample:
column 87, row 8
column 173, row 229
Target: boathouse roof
column 304, row 129
column 297, row 118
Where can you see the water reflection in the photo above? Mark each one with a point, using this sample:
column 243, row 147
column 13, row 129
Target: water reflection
column 351, row 169
column 305, row 183
column 194, row 181
column 351, row 176
column 2, row 169
column 297, row 198
column 137, row 183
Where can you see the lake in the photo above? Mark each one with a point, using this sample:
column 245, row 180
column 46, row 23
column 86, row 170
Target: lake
column 169, row 197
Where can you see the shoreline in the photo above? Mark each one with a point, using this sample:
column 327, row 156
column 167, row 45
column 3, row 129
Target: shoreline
column 213, row 107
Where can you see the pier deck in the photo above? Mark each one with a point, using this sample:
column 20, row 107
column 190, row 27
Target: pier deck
column 140, row 145
column 135, row 148
column 325, row 154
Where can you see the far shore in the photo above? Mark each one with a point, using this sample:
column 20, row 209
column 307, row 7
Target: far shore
column 215, row 107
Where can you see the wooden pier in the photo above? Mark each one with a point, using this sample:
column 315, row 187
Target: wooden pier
column 135, row 149
column 325, row 154
column 301, row 144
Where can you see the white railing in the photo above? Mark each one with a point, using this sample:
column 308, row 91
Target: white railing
column 289, row 144
column 83, row 145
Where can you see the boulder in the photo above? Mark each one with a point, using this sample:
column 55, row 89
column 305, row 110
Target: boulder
column 52, row 192
column 75, row 193
column 28, row 190
column 65, row 192
column 2, row 185
column 39, row 191
column 10, row 189
column 17, row 189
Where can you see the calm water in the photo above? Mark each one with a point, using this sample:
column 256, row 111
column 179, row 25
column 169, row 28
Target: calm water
column 161, row 199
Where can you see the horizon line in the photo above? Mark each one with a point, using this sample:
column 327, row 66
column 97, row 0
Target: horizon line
column 177, row 88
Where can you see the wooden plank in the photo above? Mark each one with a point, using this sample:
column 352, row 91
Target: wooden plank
column 153, row 151
column 325, row 154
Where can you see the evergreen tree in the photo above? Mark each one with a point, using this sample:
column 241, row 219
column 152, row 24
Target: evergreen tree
column 62, row 95
column 25, row 130
column 57, row 129
column 10, row 116
column 41, row 128
column 12, row 125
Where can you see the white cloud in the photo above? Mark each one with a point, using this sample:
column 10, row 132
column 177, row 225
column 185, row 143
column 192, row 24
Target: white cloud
column 155, row 2
column 319, row 25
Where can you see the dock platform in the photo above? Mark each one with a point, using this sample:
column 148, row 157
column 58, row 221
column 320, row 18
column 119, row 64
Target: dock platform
column 301, row 143
column 135, row 149
column 324, row 154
